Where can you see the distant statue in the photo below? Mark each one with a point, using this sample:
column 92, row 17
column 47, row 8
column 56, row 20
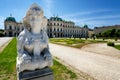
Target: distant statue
column 33, row 49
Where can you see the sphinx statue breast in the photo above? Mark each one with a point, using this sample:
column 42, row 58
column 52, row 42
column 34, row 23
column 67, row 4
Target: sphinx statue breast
column 33, row 49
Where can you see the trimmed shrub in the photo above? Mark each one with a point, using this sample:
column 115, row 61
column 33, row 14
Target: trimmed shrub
column 110, row 44
column 103, row 39
column 116, row 38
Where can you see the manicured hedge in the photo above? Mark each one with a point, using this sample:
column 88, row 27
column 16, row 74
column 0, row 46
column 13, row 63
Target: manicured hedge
column 110, row 44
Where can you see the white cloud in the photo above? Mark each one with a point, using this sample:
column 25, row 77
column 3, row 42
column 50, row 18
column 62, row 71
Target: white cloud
column 48, row 7
column 84, row 13
column 102, row 17
column 95, row 18
column 81, row 18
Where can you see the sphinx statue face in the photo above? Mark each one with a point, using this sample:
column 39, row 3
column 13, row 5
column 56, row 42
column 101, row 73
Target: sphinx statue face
column 36, row 19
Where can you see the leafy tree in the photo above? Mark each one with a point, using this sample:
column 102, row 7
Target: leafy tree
column 110, row 33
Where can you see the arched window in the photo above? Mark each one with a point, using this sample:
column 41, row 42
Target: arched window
column 58, row 24
column 10, row 27
column 57, row 29
column 54, row 29
column 18, row 28
column 51, row 24
column 54, row 24
column 10, row 34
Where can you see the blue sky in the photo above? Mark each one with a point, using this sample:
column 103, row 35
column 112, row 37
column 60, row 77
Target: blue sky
column 91, row 12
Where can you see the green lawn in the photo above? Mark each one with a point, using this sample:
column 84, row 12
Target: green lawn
column 8, row 65
column 117, row 47
column 8, row 62
column 61, row 72
column 77, row 43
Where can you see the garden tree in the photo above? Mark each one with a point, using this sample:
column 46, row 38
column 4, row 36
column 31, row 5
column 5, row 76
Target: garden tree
column 118, row 33
column 1, row 30
column 107, row 33
column 110, row 33
column 99, row 35
column 104, row 34
column 93, row 36
column 1, row 33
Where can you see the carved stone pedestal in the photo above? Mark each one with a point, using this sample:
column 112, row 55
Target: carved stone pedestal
column 42, row 74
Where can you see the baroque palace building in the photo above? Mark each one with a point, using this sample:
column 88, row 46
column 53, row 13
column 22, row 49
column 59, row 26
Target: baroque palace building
column 56, row 27
column 12, row 28
column 61, row 28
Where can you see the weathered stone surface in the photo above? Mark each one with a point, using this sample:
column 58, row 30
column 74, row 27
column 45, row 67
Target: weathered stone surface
column 33, row 49
column 42, row 74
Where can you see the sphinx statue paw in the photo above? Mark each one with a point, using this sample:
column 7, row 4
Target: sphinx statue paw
column 25, row 58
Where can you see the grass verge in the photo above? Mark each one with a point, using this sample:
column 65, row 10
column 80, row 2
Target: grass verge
column 8, row 65
column 117, row 47
column 61, row 72
column 8, row 62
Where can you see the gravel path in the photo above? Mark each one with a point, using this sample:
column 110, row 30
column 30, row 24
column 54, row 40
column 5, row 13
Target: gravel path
column 99, row 66
column 3, row 41
column 102, row 49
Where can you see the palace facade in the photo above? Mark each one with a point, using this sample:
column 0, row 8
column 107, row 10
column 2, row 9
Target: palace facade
column 61, row 28
column 56, row 27
column 11, row 27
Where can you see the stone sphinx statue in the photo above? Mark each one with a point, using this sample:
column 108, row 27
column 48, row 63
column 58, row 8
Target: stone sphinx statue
column 33, row 49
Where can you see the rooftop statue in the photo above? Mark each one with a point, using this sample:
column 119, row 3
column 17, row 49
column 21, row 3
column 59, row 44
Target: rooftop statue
column 33, row 49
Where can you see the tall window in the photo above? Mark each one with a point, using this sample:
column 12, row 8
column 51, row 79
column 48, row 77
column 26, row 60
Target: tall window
column 18, row 29
column 54, row 24
column 61, row 29
column 58, row 24
column 58, row 29
column 10, row 27
column 51, row 24
column 54, row 29
column 50, row 29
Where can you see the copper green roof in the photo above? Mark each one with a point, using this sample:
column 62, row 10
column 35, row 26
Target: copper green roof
column 56, row 19
column 85, row 26
column 10, row 19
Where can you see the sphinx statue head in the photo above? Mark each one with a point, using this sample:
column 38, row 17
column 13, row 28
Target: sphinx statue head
column 35, row 20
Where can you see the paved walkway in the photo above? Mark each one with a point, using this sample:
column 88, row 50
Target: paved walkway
column 99, row 66
column 4, row 40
